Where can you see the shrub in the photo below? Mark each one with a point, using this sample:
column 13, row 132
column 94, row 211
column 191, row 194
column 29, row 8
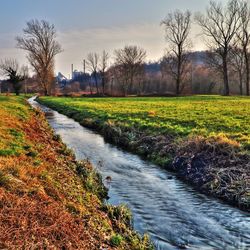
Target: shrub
column 119, row 214
column 116, row 240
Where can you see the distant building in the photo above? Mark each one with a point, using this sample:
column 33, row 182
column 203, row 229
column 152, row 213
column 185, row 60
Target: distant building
column 61, row 80
column 77, row 74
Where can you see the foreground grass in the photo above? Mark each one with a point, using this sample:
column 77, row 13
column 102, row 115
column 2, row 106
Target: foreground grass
column 199, row 115
column 206, row 139
column 47, row 199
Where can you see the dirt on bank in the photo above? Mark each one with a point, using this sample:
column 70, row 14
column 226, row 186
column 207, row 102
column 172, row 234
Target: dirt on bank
column 47, row 199
column 216, row 166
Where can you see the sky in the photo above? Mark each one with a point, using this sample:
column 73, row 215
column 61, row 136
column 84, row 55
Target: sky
column 85, row 26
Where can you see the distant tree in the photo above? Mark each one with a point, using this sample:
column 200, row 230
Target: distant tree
column 177, row 27
column 214, row 62
column 103, row 68
column 129, row 62
column 92, row 64
column 220, row 24
column 140, row 80
column 25, row 72
column 39, row 40
column 237, row 61
column 16, row 74
column 72, row 88
column 114, row 81
column 243, row 35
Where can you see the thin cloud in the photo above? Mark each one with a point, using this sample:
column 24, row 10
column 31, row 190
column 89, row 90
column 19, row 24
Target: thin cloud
column 78, row 43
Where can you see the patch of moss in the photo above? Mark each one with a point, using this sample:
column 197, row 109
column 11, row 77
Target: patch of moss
column 116, row 240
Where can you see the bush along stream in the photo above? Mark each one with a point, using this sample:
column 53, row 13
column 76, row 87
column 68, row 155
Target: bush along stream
column 215, row 165
column 48, row 200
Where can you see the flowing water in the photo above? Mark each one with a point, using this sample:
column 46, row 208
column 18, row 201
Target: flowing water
column 171, row 212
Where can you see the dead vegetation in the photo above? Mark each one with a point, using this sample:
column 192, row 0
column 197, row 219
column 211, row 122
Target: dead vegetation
column 217, row 166
column 38, row 222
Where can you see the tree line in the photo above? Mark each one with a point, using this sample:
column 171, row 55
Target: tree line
column 225, row 29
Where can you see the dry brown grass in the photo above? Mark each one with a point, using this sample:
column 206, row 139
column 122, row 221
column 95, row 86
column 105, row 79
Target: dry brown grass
column 43, row 201
column 37, row 186
column 218, row 166
column 38, row 222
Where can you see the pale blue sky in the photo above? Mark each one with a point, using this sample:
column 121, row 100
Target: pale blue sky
column 84, row 26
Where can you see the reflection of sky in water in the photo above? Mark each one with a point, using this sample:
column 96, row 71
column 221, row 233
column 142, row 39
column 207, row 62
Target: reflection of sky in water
column 169, row 210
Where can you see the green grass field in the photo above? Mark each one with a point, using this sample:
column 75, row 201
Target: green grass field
column 181, row 117
column 13, row 111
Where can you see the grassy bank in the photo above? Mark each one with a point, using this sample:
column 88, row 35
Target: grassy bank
column 205, row 139
column 47, row 199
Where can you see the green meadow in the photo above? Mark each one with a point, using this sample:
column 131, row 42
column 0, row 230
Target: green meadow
column 181, row 117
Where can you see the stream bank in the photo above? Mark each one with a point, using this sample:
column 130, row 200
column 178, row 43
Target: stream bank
column 216, row 165
column 48, row 200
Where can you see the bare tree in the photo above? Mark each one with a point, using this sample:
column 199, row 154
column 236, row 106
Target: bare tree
column 140, row 80
column 220, row 24
column 15, row 74
column 103, row 68
column 237, row 61
column 25, row 73
column 92, row 64
column 244, row 38
column 39, row 40
column 118, row 80
column 177, row 27
column 130, row 61
column 214, row 62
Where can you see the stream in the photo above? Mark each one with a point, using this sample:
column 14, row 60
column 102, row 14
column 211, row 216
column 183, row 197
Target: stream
column 171, row 212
